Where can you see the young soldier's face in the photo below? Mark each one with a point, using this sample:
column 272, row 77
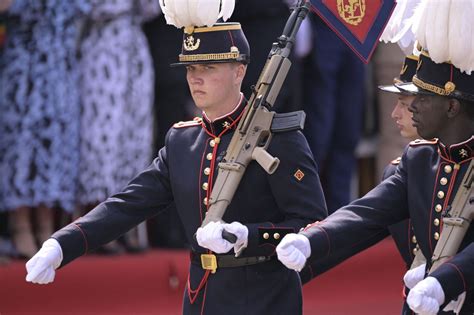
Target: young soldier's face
column 402, row 117
column 214, row 85
column 429, row 115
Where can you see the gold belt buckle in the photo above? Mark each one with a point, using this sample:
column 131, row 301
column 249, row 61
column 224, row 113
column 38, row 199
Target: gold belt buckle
column 209, row 262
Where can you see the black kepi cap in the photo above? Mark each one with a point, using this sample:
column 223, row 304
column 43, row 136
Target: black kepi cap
column 222, row 42
column 406, row 74
column 440, row 79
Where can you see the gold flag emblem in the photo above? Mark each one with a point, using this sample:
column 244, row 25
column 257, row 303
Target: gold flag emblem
column 351, row 11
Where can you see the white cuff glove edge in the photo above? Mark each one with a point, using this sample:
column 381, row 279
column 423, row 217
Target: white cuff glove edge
column 51, row 242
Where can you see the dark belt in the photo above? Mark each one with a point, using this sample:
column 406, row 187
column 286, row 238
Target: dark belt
column 212, row 262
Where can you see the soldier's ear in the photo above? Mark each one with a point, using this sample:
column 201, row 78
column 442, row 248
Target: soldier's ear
column 454, row 107
column 240, row 73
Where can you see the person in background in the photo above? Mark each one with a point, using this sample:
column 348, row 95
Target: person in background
column 263, row 21
column 39, row 117
column 172, row 103
column 117, row 81
column 333, row 100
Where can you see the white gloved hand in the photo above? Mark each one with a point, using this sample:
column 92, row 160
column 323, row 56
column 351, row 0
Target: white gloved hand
column 413, row 276
column 241, row 232
column 426, row 297
column 41, row 267
column 293, row 251
column 210, row 237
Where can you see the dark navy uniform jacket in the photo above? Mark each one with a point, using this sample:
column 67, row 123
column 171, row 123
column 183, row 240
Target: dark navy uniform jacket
column 269, row 205
column 402, row 234
column 422, row 188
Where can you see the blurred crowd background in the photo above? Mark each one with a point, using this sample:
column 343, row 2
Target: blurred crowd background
column 87, row 96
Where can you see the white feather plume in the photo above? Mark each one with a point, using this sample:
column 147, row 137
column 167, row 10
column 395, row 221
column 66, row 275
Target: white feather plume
column 445, row 28
column 461, row 34
column 399, row 27
column 418, row 17
column 184, row 13
column 437, row 26
column 209, row 12
column 227, row 9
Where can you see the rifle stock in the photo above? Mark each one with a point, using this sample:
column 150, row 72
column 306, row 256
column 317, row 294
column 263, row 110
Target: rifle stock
column 254, row 133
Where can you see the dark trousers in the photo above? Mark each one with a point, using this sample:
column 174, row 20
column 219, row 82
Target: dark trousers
column 334, row 102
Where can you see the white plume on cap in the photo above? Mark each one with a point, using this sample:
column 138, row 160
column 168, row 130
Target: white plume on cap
column 446, row 29
column 184, row 13
column 399, row 27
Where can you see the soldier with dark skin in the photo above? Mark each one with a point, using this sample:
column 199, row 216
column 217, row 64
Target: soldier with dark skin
column 264, row 208
column 422, row 189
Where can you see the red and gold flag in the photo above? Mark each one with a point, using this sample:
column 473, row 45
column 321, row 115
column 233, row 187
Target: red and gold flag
column 359, row 23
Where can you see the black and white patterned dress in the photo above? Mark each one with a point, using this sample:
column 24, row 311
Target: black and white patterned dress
column 117, row 97
column 39, row 105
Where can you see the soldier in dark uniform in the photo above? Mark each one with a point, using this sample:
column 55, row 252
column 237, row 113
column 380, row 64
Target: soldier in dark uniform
column 422, row 189
column 402, row 232
column 265, row 206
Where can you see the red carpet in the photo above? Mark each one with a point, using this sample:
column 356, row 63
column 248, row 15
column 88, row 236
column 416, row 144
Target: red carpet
column 369, row 283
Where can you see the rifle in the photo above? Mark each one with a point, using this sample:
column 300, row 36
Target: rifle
column 456, row 222
column 254, row 131
column 418, row 260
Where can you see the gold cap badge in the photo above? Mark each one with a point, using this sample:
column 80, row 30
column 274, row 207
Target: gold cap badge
column 190, row 43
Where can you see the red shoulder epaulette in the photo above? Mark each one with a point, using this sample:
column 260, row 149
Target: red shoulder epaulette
column 183, row 124
column 423, row 142
column 396, row 161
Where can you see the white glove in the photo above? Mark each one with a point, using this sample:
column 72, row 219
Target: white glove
column 413, row 276
column 426, row 297
column 242, row 233
column 293, row 251
column 41, row 267
column 210, row 237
